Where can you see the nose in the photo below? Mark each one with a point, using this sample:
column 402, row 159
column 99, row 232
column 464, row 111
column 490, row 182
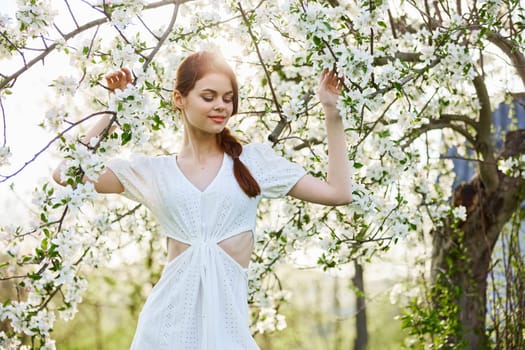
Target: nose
column 219, row 106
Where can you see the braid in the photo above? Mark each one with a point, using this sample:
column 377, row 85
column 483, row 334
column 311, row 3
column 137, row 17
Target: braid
column 232, row 147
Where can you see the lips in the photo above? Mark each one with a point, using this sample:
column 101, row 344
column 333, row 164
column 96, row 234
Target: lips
column 217, row 119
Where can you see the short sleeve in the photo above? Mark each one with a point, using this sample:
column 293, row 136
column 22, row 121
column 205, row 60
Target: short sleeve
column 137, row 177
column 275, row 174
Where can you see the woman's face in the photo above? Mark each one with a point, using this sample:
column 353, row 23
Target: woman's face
column 209, row 105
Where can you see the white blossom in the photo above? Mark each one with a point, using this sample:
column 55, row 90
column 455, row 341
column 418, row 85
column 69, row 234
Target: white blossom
column 66, row 275
column 82, row 193
column 67, row 242
column 43, row 321
column 123, row 11
column 34, row 298
column 54, row 118
column 65, row 85
column 5, row 154
column 460, row 213
column 13, row 249
column 124, row 55
column 35, row 16
column 9, row 343
column 513, row 166
column 49, row 344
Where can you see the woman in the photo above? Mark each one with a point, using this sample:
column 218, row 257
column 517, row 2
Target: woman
column 205, row 200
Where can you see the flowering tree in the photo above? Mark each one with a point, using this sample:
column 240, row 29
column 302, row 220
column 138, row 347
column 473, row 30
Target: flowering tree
column 409, row 69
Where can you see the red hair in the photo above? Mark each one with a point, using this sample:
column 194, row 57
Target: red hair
column 195, row 67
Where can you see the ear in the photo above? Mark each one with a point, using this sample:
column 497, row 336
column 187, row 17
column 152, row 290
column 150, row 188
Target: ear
column 178, row 99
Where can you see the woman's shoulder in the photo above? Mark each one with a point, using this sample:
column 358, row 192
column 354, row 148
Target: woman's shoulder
column 261, row 155
column 143, row 160
column 255, row 149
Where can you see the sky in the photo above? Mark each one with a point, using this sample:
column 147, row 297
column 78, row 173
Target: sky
column 24, row 110
column 23, row 137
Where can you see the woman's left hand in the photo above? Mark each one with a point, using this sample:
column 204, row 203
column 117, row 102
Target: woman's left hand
column 330, row 86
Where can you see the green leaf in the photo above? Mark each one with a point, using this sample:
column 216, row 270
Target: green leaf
column 125, row 137
column 384, row 134
column 110, row 280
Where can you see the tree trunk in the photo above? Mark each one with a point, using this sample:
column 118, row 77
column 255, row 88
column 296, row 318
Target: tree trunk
column 361, row 339
column 462, row 251
column 98, row 327
column 338, row 331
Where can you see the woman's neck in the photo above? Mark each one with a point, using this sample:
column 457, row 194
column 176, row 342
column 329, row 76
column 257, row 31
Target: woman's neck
column 200, row 147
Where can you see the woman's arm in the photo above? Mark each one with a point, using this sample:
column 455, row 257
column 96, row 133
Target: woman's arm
column 336, row 190
column 107, row 182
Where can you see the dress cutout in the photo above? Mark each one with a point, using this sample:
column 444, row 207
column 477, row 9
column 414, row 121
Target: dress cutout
column 201, row 299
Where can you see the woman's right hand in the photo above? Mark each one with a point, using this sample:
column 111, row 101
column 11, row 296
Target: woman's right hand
column 119, row 79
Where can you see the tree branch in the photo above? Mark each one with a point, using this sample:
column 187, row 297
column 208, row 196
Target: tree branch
column 163, row 38
column 411, row 137
column 148, row 28
column 4, row 83
column 458, row 118
column 512, row 51
column 283, row 121
column 514, row 144
column 414, row 57
column 4, row 125
column 20, row 52
column 4, row 178
column 48, row 50
column 71, row 13
column 488, row 170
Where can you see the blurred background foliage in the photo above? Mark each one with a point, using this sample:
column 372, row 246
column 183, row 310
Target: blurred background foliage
column 320, row 314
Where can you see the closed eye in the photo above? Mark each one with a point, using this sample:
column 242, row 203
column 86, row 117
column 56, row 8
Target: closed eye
column 226, row 99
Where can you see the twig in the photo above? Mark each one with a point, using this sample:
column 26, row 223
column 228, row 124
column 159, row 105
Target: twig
column 15, row 46
column 147, row 28
column 283, row 121
column 71, row 13
column 72, row 34
column 38, row 228
column 163, row 37
column 12, row 277
column 467, row 159
column 305, row 143
column 4, row 125
column 48, row 50
column 129, row 212
column 433, row 125
column 4, row 178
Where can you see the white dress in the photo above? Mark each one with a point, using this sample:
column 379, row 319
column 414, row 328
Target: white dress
column 200, row 301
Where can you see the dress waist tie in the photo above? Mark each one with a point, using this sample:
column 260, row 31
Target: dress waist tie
column 208, row 281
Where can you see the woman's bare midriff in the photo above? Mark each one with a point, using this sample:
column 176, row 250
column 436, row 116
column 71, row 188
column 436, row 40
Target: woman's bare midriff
column 239, row 247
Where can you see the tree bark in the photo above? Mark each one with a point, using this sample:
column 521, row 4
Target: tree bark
column 361, row 339
column 462, row 252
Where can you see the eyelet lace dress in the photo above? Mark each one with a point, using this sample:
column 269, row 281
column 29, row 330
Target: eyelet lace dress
column 200, row 301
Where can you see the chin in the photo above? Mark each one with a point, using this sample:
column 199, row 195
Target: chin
column 219, row 129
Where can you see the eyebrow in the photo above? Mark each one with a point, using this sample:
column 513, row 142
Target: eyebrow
column 214, row 92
